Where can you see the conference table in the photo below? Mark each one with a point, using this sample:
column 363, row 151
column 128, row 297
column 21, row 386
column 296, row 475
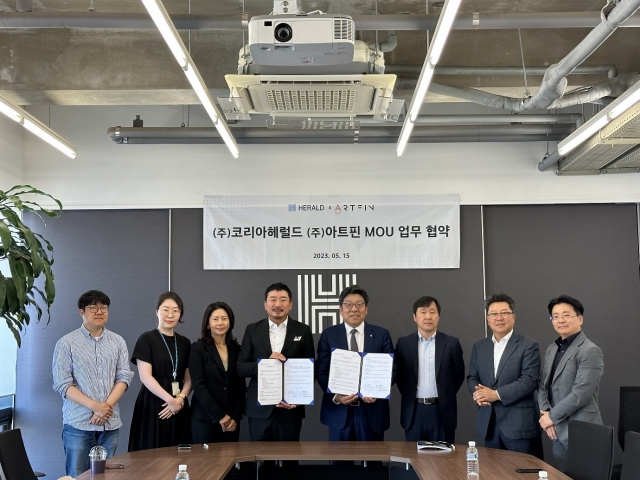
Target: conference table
column 218, row 459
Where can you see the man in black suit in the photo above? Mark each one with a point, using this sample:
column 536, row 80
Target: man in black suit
column 281, row 337
column 429, row 371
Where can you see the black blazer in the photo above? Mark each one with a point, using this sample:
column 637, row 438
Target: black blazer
column 298, row 343
column 449, row 376
column 216, row 393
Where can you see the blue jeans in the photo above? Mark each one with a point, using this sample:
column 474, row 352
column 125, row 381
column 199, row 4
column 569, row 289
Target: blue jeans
column 78, row 443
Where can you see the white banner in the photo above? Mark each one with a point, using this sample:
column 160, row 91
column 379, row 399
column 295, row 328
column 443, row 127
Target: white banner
column 334, row 231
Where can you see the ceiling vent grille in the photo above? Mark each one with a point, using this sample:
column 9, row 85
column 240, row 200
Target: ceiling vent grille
column 343, row 29
column 309, row 95
column 336, row 100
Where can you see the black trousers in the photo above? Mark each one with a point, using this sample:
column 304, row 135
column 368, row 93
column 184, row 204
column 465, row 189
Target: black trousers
column 204, row 431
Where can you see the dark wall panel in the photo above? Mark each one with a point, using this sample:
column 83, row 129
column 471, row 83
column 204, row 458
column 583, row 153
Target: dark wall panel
column 124, row 254
column 589, row 252
column 392, row 294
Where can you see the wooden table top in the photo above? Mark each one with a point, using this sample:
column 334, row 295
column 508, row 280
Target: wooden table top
column 216, row 461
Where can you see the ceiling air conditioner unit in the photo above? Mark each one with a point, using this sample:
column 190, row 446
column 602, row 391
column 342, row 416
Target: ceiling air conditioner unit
column 309, row 95
column 607, row 149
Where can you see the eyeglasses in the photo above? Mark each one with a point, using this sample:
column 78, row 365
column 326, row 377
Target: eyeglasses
column 166, row 311
column 564, row 316
column 494, row 315
column 95, row 308
column 349, row 305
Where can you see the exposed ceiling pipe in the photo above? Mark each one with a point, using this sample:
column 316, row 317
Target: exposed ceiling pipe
column 260, row 135
column 610, row 88
column 591, row 94
column 554, row 81
column 389, row 44
column 464, row 21
column 610, row 70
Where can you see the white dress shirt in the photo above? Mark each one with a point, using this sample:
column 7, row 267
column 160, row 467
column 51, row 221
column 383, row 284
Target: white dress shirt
column 277, row 333
column 359, row 336
column 498, row 350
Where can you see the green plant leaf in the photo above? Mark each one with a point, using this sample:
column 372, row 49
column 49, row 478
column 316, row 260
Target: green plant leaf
column 32, row 242
column 5, row 235
column 12, row 298
column 3, row 293
column 19, row 279
column 49, row 287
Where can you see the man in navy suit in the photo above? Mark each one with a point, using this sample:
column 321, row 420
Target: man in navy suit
column 503, row 378
column 348, row 417
column 429, row 372
column 277, row 336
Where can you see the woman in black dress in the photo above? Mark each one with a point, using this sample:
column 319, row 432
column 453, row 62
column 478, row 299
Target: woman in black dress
column 161, row 413
column 218, row 392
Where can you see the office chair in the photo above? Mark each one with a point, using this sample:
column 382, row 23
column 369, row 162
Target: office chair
column 628, row 420
column 14, row 462
column 590, row 453
column 631, row 460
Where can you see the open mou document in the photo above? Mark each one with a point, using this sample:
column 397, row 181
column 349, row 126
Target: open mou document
column 291, row 381
column 367, row 374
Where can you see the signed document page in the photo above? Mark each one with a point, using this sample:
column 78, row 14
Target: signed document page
column 375, row 381
column 269, row 381
column 344, row 372
column 298, row 381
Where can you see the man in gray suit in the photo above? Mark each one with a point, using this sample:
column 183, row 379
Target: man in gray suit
column 570, row 376
column 503, row 377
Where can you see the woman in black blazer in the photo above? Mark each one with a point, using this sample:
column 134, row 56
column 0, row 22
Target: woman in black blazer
column 218, row 392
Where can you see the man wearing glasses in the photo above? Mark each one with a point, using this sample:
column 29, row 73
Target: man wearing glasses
column 570, row 377
column 348, row 417
column 429, row 372
column 91, row 372
column 503, row 377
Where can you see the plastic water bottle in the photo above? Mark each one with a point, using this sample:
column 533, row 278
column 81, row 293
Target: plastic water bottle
column 182, row 473
column 473, row 469
column 542, row 475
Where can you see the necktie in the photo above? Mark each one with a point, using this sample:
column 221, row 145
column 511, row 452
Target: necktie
column 354, row 344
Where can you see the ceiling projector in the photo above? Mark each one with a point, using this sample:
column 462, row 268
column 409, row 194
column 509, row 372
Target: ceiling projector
column 314, row 39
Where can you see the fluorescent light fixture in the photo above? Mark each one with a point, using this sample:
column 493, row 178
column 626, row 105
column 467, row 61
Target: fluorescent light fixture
column 169, row 32
column 445, row 22
column 587, row 130
column 596, row 123
column 36, row 127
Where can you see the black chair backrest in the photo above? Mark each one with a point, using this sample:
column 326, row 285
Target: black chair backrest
column 631, row 460
column 629, row 413
column 590, row 453
column 13, row 457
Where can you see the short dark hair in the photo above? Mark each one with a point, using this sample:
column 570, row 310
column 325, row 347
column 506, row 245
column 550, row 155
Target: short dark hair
column 500, row 297
column 425, row 301
column 277, row 287
column 93, row 297
column 171, row 296
column 354, row 290
column 205, row 332
column 577, row 306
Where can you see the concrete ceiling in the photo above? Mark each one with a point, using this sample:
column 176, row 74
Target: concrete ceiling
column 82, row 66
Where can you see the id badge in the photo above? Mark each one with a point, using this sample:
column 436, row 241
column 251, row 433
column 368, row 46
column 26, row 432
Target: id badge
column 175, row 388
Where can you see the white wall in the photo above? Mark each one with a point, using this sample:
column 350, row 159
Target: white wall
column 107, row 175
column 11, row 153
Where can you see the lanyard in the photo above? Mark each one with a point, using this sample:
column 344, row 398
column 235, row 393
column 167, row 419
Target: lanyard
column 174, row 365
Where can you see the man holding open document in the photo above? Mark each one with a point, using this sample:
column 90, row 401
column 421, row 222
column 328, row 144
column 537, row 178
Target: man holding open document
column 356, row 381
column 266, row 346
